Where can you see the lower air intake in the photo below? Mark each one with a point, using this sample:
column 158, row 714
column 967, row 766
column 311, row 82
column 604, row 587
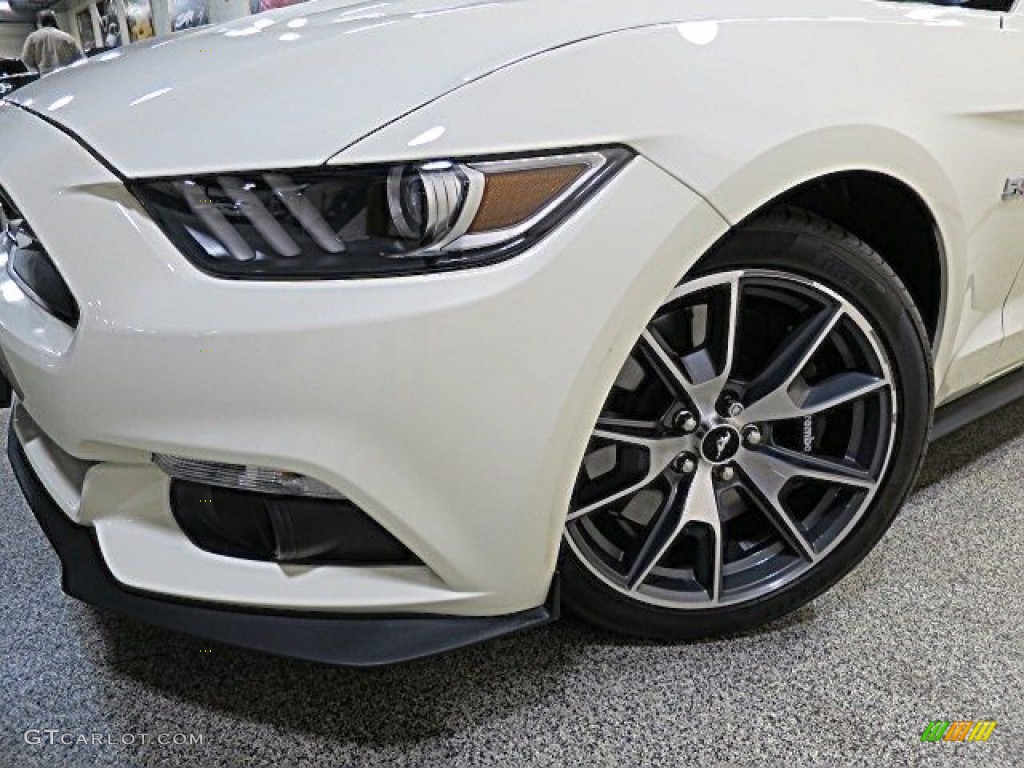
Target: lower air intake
column 282, row 529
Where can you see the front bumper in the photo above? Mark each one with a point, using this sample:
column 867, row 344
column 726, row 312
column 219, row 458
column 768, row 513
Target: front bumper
column 352, row 641
column 452, row 409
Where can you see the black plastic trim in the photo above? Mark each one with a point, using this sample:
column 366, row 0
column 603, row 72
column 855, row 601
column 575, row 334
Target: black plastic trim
column 34, row 271
column 342, row 640
column 286, row 529
column 978, row 404
column 12, row 383
column 36, row 275
column 6, row 390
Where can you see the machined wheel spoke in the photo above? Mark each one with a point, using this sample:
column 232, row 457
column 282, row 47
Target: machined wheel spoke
column 667, row 367
column 772, row 468
column 703, row 508
column 704, row 391
column 781, row 520
column 839, row 390
column 795, row 353
column 617, row 496
column 638, row 426
column 799, row 402
column 664, row 531
column 660, row 449
column 696, row 374
column 769, row 470
column 715, row 551
column 660, row 452
column 622, row 432
column 695, row 503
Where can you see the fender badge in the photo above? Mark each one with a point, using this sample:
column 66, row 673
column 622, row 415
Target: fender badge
column 1014, row 189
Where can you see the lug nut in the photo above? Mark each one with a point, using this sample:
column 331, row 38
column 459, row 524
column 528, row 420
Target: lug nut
column 752, row 436
column 685, row 421
column 730, row 405
column 685, row 463
column 726, row 474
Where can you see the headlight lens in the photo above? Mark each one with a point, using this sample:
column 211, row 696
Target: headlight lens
column 373, row 221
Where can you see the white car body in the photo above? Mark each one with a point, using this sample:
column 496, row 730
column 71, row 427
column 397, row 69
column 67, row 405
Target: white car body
column 454, row 408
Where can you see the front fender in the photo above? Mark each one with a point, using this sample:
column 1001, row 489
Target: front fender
column 732, row 109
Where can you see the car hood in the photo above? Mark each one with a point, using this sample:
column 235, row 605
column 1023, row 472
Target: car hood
column 294, row 86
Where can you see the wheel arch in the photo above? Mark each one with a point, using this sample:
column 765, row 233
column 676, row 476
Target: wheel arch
column 892, row 218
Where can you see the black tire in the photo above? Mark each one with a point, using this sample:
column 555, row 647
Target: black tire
column 796, row 242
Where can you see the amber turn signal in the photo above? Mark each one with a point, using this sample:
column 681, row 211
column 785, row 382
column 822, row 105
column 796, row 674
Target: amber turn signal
column 512, row 197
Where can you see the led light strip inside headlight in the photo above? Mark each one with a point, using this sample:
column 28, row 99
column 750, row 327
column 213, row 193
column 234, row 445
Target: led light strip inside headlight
column 374, row 221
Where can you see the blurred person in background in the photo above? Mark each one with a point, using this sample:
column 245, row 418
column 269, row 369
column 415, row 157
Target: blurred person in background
column 48, row 48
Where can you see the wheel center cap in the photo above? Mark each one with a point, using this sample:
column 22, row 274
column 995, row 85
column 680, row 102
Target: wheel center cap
column 720, row 444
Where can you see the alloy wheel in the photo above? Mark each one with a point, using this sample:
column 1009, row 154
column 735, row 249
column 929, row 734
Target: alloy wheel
column 743, row 440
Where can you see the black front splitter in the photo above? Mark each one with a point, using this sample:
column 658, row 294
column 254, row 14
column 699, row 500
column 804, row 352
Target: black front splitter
column 341, row 640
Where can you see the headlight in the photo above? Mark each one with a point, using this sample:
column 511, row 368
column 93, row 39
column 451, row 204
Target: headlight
column 373, row 221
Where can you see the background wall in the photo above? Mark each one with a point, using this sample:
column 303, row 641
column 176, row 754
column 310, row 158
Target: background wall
column 69, row 23
column 226, row 10
column 12, row 37
column 13, row 34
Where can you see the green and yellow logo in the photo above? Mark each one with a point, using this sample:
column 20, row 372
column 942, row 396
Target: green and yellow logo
column 958, row 730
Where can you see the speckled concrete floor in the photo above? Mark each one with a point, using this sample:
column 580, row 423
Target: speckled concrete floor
column 930, row 626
